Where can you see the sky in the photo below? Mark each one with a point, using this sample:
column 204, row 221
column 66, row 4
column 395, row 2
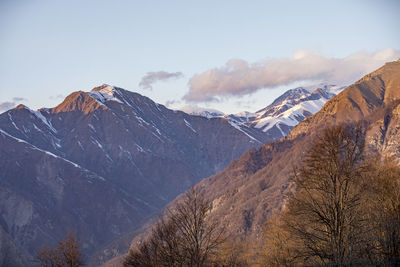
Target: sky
column 226, row 55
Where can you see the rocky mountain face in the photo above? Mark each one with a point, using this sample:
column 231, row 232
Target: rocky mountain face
column 278, row 119
column 100, row 163
column 252, row 188
column 9, row 254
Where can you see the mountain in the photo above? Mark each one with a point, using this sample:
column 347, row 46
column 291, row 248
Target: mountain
column 101, row 162
column 9, row 254
column 293, row 107
column 278, row 119
column 253, row 188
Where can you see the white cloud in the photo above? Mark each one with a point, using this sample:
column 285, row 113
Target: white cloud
column 196, row 110
column 152, row 77
column 238, row 77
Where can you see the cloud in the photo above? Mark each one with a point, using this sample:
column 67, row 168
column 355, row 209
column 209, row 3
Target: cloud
column 196, row 110
column 4, row 106
column 56, row 97
column 152, row 77
column 17, row 99
column 170, row 103
column 238, row 77
column 249, row 104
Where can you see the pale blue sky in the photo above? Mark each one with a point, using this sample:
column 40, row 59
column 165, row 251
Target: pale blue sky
column 49, row 49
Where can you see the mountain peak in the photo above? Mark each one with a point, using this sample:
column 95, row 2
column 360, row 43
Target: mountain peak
column 20, row 106
column 105, row 93
column 104, row 88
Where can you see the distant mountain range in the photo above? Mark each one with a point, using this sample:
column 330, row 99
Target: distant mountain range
column 102, row 162
column 277, row 119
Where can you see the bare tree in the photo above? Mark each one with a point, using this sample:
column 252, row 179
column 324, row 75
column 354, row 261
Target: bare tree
column 49, row 257
column 185, row 237
column 234, row 254
column 200, row 238
column 69, row 248
column 344, row 209
column 161, row 249
column 279, row 247
column 67, row 253
column 383, row 201
column 324, row 216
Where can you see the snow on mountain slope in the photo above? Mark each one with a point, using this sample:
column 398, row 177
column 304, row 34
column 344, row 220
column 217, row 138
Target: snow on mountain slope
column 285, row 112
column 293, row 107
column 105, row 93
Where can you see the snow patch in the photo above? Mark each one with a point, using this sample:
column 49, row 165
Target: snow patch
column 139, row 148
column 40, row 116
column 94, row 141
column 130, row 158
column 13, row 123
column 50, row 154
column 235, row 125
column 105, row 94
column 36, row 148
column 157, row 130
column 80, row 145
column 189, row 125
column 141, row 120
column 92, row 127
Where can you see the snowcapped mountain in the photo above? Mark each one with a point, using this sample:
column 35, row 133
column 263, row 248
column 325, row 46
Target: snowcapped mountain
column 101, row 162
column 285, row 112
column 293, row 107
